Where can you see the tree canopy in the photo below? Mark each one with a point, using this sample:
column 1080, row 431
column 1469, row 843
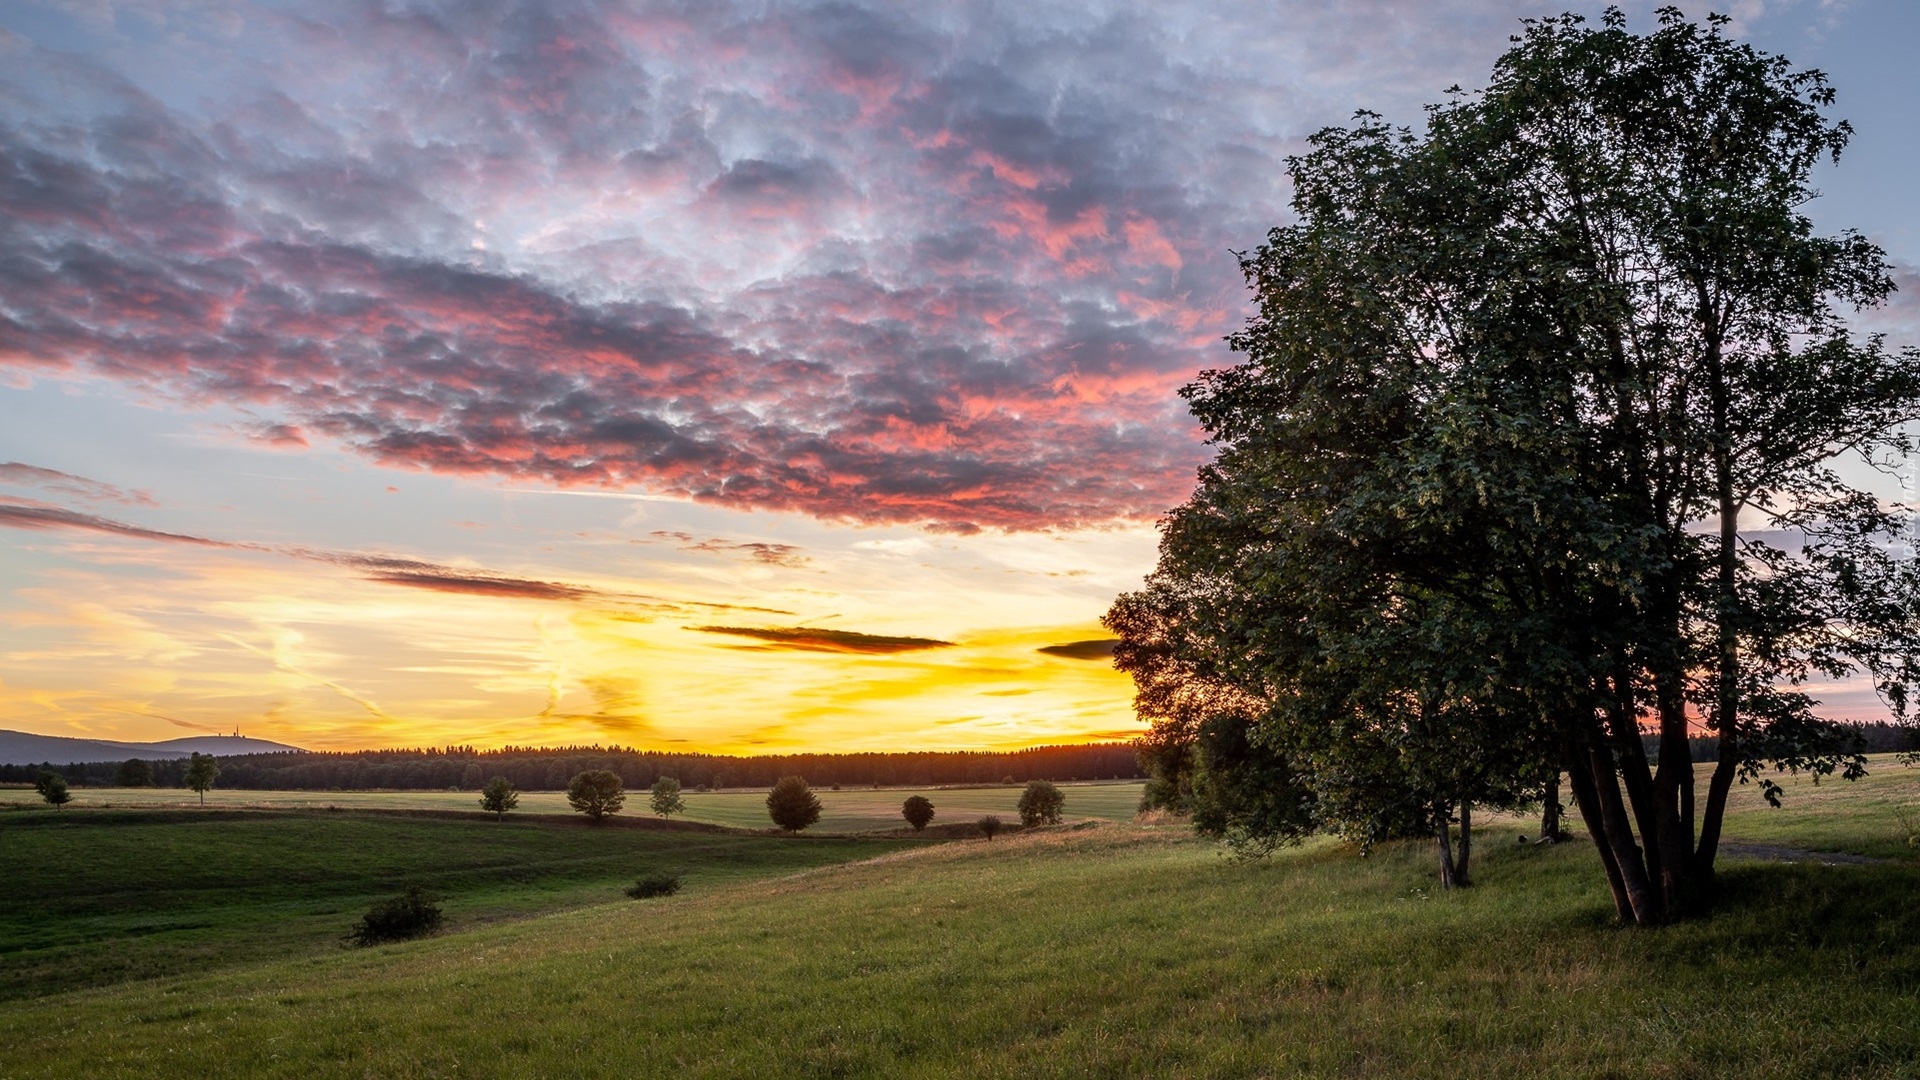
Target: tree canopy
column 665, row 798
column 498, row 797
column 596, row 793
column 202, row 771
column 1041, row 804
column 918, row 810
column 52, row 788
column 1534, row 447
column 792, row 804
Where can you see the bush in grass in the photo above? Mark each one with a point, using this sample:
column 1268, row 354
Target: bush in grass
column 666, row 799
column 133, row 772
column 596, row 793
column 53, row 788
column 410, row 915
column 498, row 797
column 918, row 810
column 1040, row 804
column 658, row 883
column 989, row 825
column 792, row 804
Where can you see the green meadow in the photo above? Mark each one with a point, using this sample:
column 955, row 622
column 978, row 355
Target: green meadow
column 143, row 942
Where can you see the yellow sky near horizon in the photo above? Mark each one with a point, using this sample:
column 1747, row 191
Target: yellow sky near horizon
column 928, row 643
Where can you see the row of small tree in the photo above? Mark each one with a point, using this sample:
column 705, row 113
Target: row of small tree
column 791, row 803
column 201, row 772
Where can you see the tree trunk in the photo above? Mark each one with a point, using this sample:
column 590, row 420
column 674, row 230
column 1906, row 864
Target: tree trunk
column 1727, row 613
column 1550, row 811
column 1462, row 875
column 1587, row 799
column 1445, row 843
column 1617, row 832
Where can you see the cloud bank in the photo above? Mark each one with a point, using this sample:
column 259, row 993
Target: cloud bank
column 875, row 265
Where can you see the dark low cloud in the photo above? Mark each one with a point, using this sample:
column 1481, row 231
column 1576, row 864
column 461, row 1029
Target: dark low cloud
column 15, row 515
column 17, row 474
column 484, row 585
column 1095, row 649
column 772, row 554
column 386, row 569
column 805, row 639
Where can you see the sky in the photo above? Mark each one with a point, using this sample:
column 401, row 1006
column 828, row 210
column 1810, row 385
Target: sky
column 739, row 377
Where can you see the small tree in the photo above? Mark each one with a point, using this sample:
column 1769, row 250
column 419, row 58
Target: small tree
column 666, row 797
column 498, row 797
column 989, row 825
column 1040, row 804
column 53, row 788
column 133, row 772
column 917, row 810
column 201, row 772
column 792, row 804
column 596, row 793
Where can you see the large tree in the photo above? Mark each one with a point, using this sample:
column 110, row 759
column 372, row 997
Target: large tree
column 1534, row 449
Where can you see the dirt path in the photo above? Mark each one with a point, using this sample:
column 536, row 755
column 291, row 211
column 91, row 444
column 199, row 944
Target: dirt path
column 1777, row 853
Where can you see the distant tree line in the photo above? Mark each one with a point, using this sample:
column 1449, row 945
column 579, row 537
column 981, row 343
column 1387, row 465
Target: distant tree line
column 551, row 769
column 1879, row 737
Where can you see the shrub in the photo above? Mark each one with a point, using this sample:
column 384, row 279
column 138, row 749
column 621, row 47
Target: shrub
column 411, row 914
column 792, row 804
column 1040, row 804
column 596, row 793
column 53, row 788
column 918, row 810
column 666, row 800
column 498, row 797
column 989, row 825
column 658, row 883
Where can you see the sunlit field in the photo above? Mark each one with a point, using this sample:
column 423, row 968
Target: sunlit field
column 850, row 810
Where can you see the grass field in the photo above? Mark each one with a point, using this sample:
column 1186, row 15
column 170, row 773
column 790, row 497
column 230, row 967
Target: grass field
column 105, row 896
column 851, row 810
column 1106, row 950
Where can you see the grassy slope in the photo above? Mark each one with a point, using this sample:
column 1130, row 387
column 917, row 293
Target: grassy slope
column 851, row 810
column 99, row 897
column 1112, row 951
column 1107, row 951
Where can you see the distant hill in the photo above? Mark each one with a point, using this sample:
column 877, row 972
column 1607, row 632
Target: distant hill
column 20, row 748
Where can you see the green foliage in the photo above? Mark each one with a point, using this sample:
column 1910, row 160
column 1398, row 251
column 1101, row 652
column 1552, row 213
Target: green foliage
column 1040, row 804
column 658, row 883
column 918, row 810
column 596, row 793
column 133, row 772
column 989, row 825
column 202, row 770
column 52, row 788
column 411, row 914
column 792, row 804
column 666, row 800
column 498, row 797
